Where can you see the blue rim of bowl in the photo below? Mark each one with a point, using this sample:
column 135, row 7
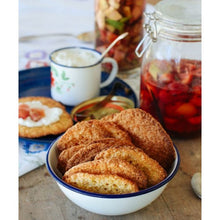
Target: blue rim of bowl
column 77, row 67
column 118, row 196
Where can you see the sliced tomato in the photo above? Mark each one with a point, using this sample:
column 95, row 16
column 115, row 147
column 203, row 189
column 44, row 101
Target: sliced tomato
column 36, row 114
column 23, row 111
column 24, row 106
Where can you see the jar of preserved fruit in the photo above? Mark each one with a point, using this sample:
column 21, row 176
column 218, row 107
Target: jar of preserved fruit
column 114, row 17
column 171, row 67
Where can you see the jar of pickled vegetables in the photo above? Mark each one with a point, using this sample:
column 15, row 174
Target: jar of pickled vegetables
column 171, row 67
column 114, row 17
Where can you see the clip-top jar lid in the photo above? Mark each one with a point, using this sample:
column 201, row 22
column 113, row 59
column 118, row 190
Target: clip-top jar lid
column 177, row 20
column 187, row 12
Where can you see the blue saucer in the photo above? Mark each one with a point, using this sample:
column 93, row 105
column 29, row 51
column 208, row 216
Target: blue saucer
column 36, row 82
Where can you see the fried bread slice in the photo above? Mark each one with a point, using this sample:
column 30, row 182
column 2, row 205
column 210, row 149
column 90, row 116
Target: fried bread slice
column 88, row 152
column 87, row 131
column 110, row 166
column 66, row 154
column 85, row 152
column 58, row 127
column 102, row 183
column 146, row 133
column 153, row 170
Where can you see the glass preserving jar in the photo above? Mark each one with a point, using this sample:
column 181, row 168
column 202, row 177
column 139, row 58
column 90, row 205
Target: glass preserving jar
column 171, row 67
column 114, row 17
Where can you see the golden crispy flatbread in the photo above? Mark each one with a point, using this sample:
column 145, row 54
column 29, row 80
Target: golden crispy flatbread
column 110, row 166
column 146, row 133
column 55, row 128
column 102, row 183
column 86, row 152
column 88, row 131
column 136, row 156
column 66, row 154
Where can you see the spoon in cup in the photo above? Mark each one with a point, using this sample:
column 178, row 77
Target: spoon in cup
column 88, row 113
column 120, row 37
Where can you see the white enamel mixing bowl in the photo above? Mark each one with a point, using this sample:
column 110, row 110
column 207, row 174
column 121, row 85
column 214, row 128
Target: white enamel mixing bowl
column 107, row 204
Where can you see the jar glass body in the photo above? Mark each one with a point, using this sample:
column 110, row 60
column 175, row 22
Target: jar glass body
column 171, row 85
column 114, row 17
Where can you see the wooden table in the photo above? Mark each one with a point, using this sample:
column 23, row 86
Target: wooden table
column 41, row 199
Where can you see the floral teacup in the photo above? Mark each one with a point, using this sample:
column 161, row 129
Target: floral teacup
column 76, row 74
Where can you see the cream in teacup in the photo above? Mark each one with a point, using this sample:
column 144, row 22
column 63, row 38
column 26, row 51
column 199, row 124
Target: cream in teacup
column 76, row 74
column 75, row 57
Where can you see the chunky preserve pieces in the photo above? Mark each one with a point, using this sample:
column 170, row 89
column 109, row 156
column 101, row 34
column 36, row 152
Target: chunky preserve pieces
column 171, row 92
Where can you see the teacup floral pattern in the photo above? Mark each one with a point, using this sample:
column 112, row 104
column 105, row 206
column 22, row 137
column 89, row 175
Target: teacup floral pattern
column 60, row 81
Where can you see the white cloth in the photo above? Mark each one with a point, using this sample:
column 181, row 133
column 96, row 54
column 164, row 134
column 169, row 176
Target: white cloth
column 31, row 156
column 48, row 17
column 45, row 17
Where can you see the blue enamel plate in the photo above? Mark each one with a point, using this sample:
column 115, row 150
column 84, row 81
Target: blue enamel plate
column 36, row 82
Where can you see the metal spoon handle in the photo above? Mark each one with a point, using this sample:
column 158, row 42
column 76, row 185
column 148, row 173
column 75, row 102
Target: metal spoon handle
column 113, row 43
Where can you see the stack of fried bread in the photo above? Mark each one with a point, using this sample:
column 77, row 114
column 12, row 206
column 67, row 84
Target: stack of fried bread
column 121, row 153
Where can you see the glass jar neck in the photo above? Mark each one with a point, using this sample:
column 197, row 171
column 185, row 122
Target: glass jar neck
column 177, row 31
column 158, row 27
